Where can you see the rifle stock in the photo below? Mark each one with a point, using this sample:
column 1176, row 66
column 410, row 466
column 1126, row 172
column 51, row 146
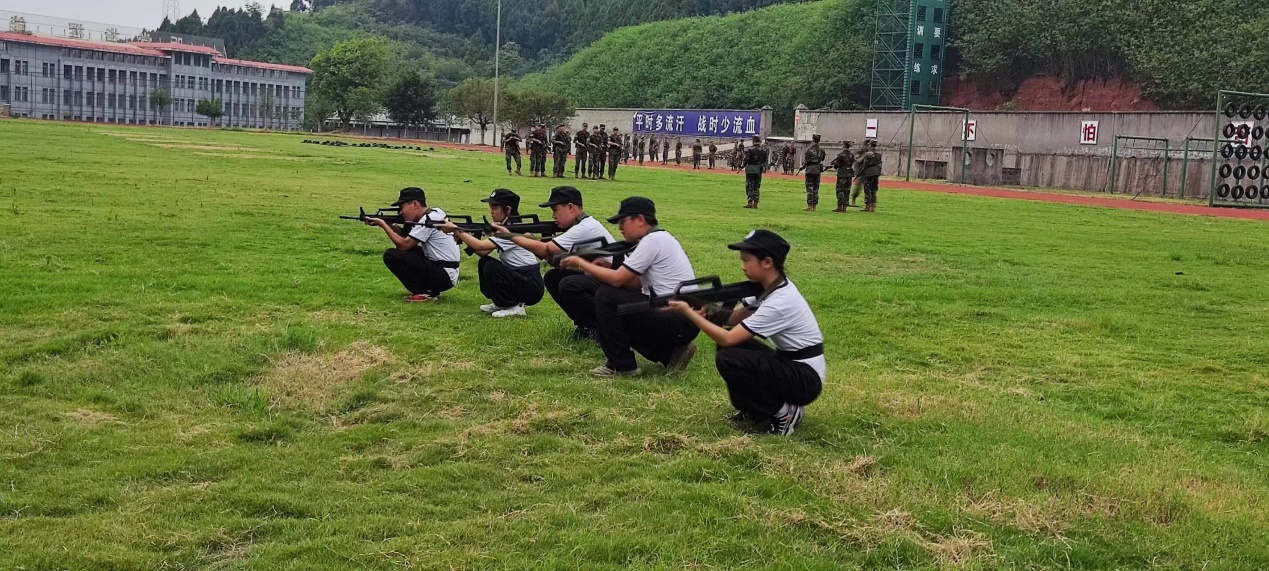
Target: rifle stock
column 714, row 291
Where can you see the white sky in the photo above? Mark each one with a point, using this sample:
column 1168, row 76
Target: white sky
column 118, row 13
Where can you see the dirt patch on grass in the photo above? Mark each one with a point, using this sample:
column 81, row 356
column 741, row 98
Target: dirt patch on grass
column 313, row 382
column 90, row 417
column 206, row 147
column 246, row 156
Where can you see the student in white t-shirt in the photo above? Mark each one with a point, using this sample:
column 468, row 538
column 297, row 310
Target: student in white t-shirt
column 656, row 266
column 573, row 291
column 765, row 384
column 512, row 280
column 424, row 259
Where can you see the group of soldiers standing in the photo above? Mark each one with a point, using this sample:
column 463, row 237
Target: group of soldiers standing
column 598, row 148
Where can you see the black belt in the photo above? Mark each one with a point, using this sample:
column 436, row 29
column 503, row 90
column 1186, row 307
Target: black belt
column 804, row 353
column 446, row 265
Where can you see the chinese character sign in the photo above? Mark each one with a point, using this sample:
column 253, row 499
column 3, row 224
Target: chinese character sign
column 734, row 124
column 1088, row 133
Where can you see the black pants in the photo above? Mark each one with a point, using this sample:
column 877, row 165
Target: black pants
column 843, row 190
column 513, row 156
column 574, row 292
column 506, row 286
column 579, row 162
column 753, row 186
column 870, row 189
column 760, row 382
column 541, row 162
column 612, row 166
column 654, row 334
column 417, row 273
column 603, row 161
column 561, row 162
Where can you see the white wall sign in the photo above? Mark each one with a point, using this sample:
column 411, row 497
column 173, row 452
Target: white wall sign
column 1088, row 132
column 969, row 130
column 870, row 131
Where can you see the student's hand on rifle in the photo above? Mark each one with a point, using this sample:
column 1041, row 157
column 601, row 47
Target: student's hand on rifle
column 498, row 228
column 570, row 262
column 371, row 221
column 448, row 227
column 682, row 307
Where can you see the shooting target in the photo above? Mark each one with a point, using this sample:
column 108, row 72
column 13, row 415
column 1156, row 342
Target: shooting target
column 1227, row 151
column 1222, row 191
column 1253, row 172
column 1237, row 192
column 1244, row 131
column 1255, row 153
column 1226, row 170
column 1258, row 133
column 1229, row 130
column 1244, row 110
column 1259, row 112
column 1241, row 152
column 1239, row 172
column 1230, row 110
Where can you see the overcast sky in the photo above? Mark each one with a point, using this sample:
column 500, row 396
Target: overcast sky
column 121, row 13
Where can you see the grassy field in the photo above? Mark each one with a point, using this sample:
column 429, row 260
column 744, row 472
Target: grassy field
column 202, row 368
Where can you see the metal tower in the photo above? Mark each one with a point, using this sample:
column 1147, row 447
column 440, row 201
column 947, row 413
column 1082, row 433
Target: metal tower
column 172, row 10
column 891, row 55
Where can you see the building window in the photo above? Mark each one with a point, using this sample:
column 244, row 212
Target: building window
column 101, row 74
column 920, row 14
column 79, row 98
column 66, row 97
column 916, row 87
column 101, row 99
column 918, row 50
column 191, row 82
column 79, row 72
column 938, row 15
column 4, row 66
column 936, row 52
column 132, row 102
column 110, row 101
column 4, row 93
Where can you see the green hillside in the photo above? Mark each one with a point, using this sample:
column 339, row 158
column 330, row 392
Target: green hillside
column 817, row 54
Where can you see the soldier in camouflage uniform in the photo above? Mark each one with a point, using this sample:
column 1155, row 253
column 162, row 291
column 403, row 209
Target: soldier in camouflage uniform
column 616, row 145
column 603, row 150
column 678, row 151
column 738, row 156
column 537, row 151
column 580, row 161
column 872, row 174
column 652, row 149
column 788, row 156
column 755, row 162
column 713, row 150
column 665, row 151
column 844, row 162
column 625, row 148
column 559, row 148
column 641, row 145
column 697, row 150
column 511, row 146
column 813, row 164
column 593, row 150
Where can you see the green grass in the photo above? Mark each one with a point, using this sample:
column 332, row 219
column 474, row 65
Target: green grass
column 202, row 368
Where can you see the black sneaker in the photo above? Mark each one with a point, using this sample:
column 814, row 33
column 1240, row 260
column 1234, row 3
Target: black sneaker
column 741, row 417
column 784, row 424
column 583, row 334
column 681, row 357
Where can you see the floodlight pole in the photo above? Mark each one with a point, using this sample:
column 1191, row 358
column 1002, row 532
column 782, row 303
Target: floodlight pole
column 497, row 52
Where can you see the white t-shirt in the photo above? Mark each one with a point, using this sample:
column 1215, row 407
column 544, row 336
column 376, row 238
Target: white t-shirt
column 437, row 246
column 513, row 256
column 661, row 263
column 785, row 318
column 584, row 230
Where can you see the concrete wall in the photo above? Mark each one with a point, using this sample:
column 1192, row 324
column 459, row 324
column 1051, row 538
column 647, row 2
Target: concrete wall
column 1031, row 149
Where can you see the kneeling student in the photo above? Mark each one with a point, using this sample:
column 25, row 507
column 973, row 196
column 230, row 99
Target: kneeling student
column 765, row 384
column 656, row 266
column 424, row 259
column 573, row 291
column 513, row 279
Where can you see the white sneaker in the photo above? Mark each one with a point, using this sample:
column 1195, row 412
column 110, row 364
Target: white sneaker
column 510, row 311
column 489, row 308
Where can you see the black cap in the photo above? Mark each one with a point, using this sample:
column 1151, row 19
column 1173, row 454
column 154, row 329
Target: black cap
column 632, row 206
column 563, row 195
column 765, row 243
column 411, row 193
column 503, row 197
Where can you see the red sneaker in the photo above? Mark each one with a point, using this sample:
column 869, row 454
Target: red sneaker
column 418, row 298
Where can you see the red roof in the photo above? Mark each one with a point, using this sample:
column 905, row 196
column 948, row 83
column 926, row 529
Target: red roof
column 174, row 47
column 264, row 65
column 130, row 49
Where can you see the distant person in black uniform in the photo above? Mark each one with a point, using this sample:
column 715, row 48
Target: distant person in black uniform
column 559, row 148
column 844, row 163
column 754, row 161
column 424, row 259
column 580, row 161
column 697, row 150
column 767, row 386
column 665, row 151
column 616, row 145
column 537, row 151
column 713, row 150
column 603, row 151
column 678, row 151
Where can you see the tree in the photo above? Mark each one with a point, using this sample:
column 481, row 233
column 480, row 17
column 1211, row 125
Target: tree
column 472, row 100
column 411, row 99
column 525, row 107
column 211, row 109
column 347, row 67
column 298, row 6
column 363, row 103
column 316, row 112
column 160, row 99
column 191, row 24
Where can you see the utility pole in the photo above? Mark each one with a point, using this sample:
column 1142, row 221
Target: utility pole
column 497, row 51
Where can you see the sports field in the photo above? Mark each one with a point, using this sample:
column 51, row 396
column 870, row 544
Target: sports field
column 201, row 367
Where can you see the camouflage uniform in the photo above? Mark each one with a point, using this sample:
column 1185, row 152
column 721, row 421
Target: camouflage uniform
column 560, row 150
column 537, row 152
column 678, row 152
column 755, row 162
column 593, row 150
column 652, row 149
column 697, row 149
column 615, row 148
column 713, row 150
column 511, row 146
column 813, row 164
column 603, row 152
column 872, row 175
column 844, row 162
column 579, row 158
column 665, row 151
column 642, row 145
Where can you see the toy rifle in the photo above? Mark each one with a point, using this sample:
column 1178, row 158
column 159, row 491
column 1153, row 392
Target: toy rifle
column 592, row 249
column 389, row 215
column 525, row 224
column 698, row 293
